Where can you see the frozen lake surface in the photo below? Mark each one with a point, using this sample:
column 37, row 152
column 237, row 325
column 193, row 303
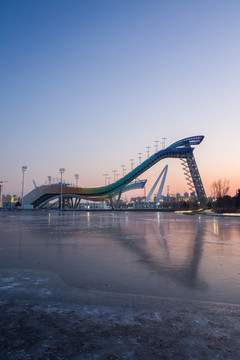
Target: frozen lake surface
column 139, row 253
column 119, row 285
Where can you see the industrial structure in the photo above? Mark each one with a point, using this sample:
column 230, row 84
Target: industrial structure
column 70, row 197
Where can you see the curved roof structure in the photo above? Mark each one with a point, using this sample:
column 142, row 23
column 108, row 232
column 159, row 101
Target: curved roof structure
column 181, row 149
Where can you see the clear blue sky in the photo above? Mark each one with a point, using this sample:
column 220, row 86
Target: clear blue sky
column 86, row 85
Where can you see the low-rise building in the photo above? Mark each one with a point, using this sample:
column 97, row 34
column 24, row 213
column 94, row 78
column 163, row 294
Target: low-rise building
column 9, row 201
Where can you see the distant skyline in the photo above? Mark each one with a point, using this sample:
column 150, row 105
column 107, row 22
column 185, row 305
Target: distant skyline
column 87, row 85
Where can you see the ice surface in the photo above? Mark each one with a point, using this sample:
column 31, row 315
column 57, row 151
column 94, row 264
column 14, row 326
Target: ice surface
column 160, row 254
column 119, row 286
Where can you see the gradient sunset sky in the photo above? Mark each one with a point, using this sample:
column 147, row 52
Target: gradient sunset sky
column 87, row 85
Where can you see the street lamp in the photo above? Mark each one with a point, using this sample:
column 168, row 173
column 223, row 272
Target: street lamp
column 61, row 172
column 114, row 177
column 105, row 175
column 139, row 158
column 123, row 169
column 76, row 176
column 24, row 168
column 148, row 151
column 164, row 142
column 132, row 162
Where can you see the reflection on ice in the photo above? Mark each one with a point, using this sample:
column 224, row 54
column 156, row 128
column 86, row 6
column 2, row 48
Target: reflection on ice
column 162, row 254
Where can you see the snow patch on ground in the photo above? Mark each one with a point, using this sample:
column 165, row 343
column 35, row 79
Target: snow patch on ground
column 105, row 326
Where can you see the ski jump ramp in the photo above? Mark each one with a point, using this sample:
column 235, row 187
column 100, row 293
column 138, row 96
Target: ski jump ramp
column 182, row 149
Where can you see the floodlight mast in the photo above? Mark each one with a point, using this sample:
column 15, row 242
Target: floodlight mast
column 62, row 170
column 123, row 169
column 148, row 151
column 24, row 168
column 132, row 163
column 140, row 158
column 114, row 175
column 105, row 175
column 164, row 142
column 76, row 176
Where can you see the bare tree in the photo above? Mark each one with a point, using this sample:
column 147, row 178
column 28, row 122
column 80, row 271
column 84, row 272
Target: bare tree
column 220, row 188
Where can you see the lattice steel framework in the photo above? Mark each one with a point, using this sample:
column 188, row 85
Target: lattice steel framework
column 192, row 176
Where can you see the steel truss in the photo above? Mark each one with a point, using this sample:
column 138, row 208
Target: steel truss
column 192, row 176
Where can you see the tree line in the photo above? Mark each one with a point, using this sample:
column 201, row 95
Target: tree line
column 221, row 201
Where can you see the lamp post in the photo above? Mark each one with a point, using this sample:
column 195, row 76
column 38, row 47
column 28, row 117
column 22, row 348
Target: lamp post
column 105, row 175
column 132, row 162
column 123, row 169
column 156, row 145
column 24, row 168
column 76, row 176
column 114, row 175
column 148, row 151
column 61, row 172
column 139, row 158
column 164, row 142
